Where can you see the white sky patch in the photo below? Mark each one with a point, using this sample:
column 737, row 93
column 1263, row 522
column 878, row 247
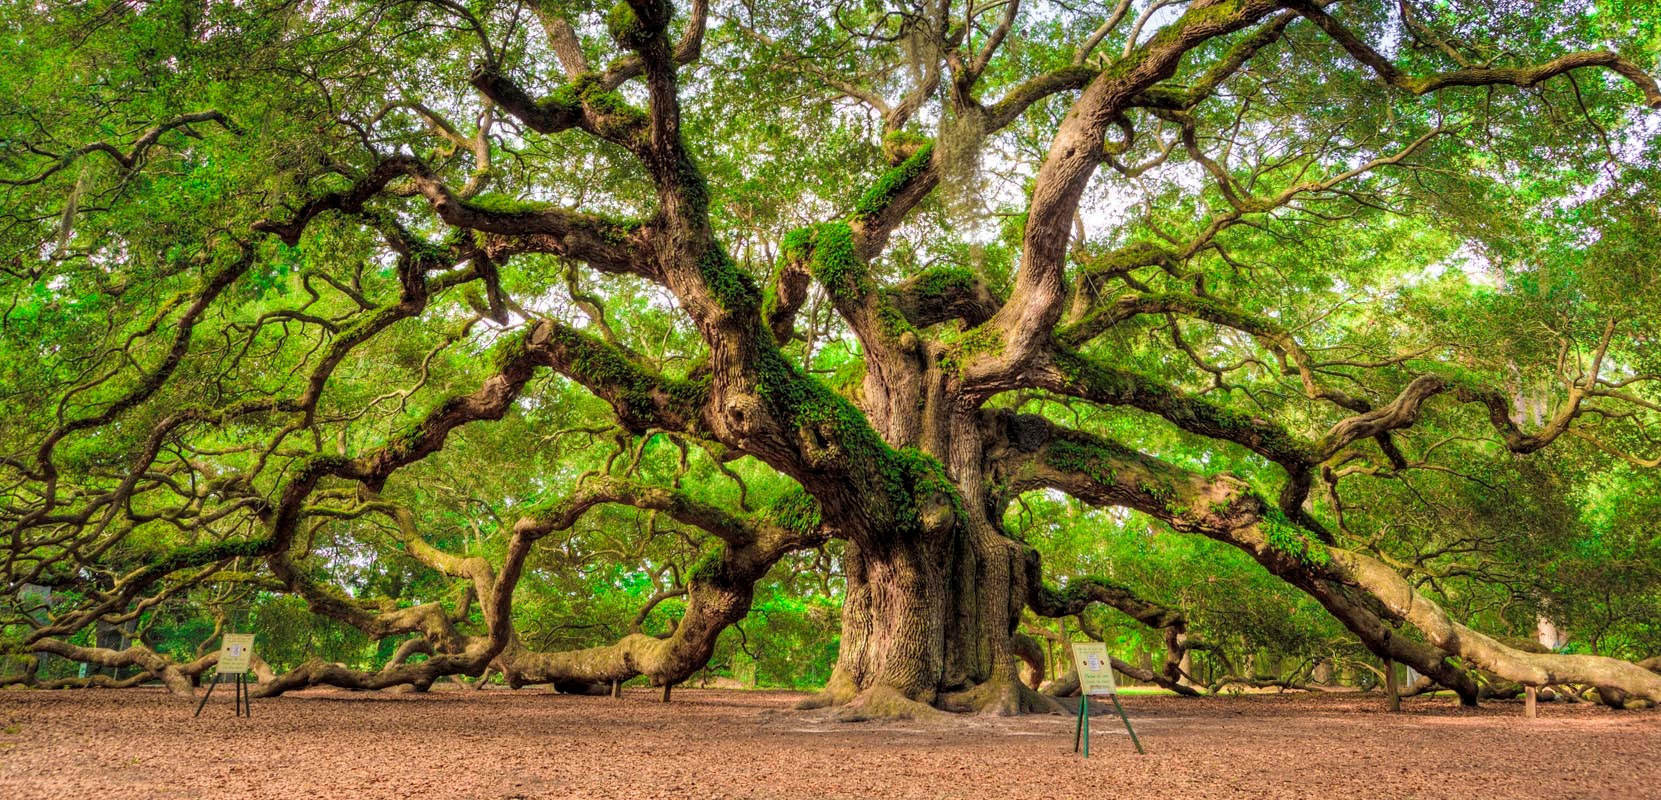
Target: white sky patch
column 1468, row 259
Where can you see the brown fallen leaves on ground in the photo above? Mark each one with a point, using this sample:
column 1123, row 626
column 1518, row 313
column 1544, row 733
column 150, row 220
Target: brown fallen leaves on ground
column 317, row 744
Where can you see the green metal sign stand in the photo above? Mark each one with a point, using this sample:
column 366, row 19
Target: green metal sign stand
column 1128, row 728
column 1081, row 731
column 1095, row 671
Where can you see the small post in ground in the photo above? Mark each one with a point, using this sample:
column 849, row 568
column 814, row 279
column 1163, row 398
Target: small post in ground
column 1531, row 699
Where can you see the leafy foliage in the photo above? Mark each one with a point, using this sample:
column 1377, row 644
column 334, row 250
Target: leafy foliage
column 1248, row 272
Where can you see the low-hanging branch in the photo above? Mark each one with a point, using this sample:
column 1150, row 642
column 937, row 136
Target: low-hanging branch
column 1105, row 473
column 1079, row 594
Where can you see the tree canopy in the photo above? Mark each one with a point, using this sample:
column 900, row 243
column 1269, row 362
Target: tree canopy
column 834, row 344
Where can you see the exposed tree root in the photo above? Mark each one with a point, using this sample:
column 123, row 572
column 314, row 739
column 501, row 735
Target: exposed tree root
column 1258, row 682
column 999, row 697
column 1003, row 698
column 838, row 692
column 883, row 703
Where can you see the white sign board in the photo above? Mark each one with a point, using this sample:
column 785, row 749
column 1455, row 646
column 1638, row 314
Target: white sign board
column 1095, row 668
column 235, row 651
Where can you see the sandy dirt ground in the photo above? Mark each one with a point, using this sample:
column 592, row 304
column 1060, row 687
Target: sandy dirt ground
column 142, row 743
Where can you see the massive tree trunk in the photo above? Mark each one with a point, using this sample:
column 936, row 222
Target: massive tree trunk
column 934, row 623
column 930, row 620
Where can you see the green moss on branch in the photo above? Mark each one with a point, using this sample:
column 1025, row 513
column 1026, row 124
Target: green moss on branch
column 617, row 119
column 501, row 204
column 891, row 183
column 836, row 435
column 828, row 250
column 944, row 281
column 640, row 398
column 1095, row 462
column 1287, row 538
column 733, row 288
column 796, row 512
column 625, row 27
column 982, row 340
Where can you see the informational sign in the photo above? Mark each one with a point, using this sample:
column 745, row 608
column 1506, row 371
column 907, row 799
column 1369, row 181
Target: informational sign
column 235, row 651
column 1095, row 677
column 1095, row 668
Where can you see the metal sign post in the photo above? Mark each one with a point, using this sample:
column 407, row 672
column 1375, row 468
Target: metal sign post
column 236, row 652
column 1095, row 677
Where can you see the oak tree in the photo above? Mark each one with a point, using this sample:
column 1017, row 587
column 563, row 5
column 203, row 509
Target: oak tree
column 1257, row 270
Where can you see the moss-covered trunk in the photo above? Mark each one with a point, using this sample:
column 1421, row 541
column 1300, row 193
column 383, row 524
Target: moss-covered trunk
column 932, row 624
column 931, row 620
